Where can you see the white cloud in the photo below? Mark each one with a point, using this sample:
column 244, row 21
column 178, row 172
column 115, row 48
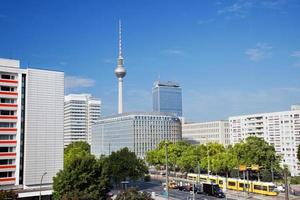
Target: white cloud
column 242, row 8
column 173, row 52
column 208, row 21
column 273, row 4
column 78, row 82
column 261, row 51
column 296, row 54
column 63, row 63
column 239, row 9
column 108, row 60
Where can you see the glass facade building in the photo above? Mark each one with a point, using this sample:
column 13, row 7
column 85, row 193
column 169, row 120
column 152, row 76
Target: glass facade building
column 167, row 97
column 140, row 132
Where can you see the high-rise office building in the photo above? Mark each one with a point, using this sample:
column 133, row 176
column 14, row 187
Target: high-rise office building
column 140, row 132
column 206, row 132
column 281, row 129
column 81, row 110
column 31, row 125
column 167, row 97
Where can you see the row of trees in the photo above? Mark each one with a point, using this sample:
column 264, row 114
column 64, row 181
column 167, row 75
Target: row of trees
column 86, row 177
column 221, row 160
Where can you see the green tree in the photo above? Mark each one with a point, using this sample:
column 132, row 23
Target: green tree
column 208, row 151
column 8, row 194
column 84, row 178
column 76, row 150
column 175, row 151
column 256, row 151
column 188, row 159
column 133, row 194
column 124, row 164
column 298, row 153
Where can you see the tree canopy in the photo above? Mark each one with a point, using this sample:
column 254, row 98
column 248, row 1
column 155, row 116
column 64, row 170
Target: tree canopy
column 222, row 160
column 124, row 164
column 76, row 150
column 84, row 177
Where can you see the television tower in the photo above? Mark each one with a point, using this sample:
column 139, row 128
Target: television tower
column 120, row 72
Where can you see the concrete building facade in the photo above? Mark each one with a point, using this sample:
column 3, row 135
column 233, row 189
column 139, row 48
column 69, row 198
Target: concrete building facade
column 31, row 125
column 281, row 129
column 140, row 132
column 80, row 112
column 206, row 132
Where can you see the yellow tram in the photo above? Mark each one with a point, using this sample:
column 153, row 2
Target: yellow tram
column 265, row 188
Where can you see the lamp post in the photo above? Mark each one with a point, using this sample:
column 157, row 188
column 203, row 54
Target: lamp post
column 41, row 185
column 167, row 171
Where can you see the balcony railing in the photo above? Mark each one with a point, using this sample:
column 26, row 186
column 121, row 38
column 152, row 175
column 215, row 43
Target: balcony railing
column 7, row 167
column 8, row 93
column 8, row 142
column 9, row 104
column 8, row 154
column 7, row 179
column 8, row 129
column 8, row 117
column 8, row 81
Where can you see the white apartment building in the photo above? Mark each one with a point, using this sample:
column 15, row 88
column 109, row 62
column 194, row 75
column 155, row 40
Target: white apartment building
column 281, row 129
column 31, row 125
column 139, row 131
column 206, row 132
column 81, row 111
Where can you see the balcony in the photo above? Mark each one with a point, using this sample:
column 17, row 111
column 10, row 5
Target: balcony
column 8, row 94
column 8, row 106
column 8, row 118
column 7, row 181
column 9, row 82
column 8, row 143
column 8, row 130
column 8, row 155
column 8, row 167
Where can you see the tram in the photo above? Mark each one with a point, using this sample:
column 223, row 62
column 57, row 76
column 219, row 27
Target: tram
column 258, row 187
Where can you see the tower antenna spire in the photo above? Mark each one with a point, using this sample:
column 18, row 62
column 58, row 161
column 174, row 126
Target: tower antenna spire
column 120, row 38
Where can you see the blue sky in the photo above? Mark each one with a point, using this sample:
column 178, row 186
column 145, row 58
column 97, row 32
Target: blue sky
column 231, row 57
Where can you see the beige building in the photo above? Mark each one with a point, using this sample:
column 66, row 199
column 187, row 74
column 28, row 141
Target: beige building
column 280, row 129
column 205, row 132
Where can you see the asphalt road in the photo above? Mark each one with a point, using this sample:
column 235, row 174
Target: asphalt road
column 173, row 193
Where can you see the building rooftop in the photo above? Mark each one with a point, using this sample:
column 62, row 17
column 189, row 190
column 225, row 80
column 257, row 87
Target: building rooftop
column 140, row 114
column 166, row 83
column 9, row 63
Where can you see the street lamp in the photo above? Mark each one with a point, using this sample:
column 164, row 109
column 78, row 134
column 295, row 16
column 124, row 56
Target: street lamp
column 41, row 185
column 167, row 171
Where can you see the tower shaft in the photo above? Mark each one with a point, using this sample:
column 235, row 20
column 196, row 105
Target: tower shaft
column 120, row 96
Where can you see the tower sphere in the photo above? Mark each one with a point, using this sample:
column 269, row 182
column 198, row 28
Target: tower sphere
column 120, row 71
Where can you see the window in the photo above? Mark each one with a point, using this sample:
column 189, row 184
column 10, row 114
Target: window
column 230, row 183
column 5, row 174
column 260, row 187
column 7, row 76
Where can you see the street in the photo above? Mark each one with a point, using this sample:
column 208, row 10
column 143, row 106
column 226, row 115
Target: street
column 175, row 194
